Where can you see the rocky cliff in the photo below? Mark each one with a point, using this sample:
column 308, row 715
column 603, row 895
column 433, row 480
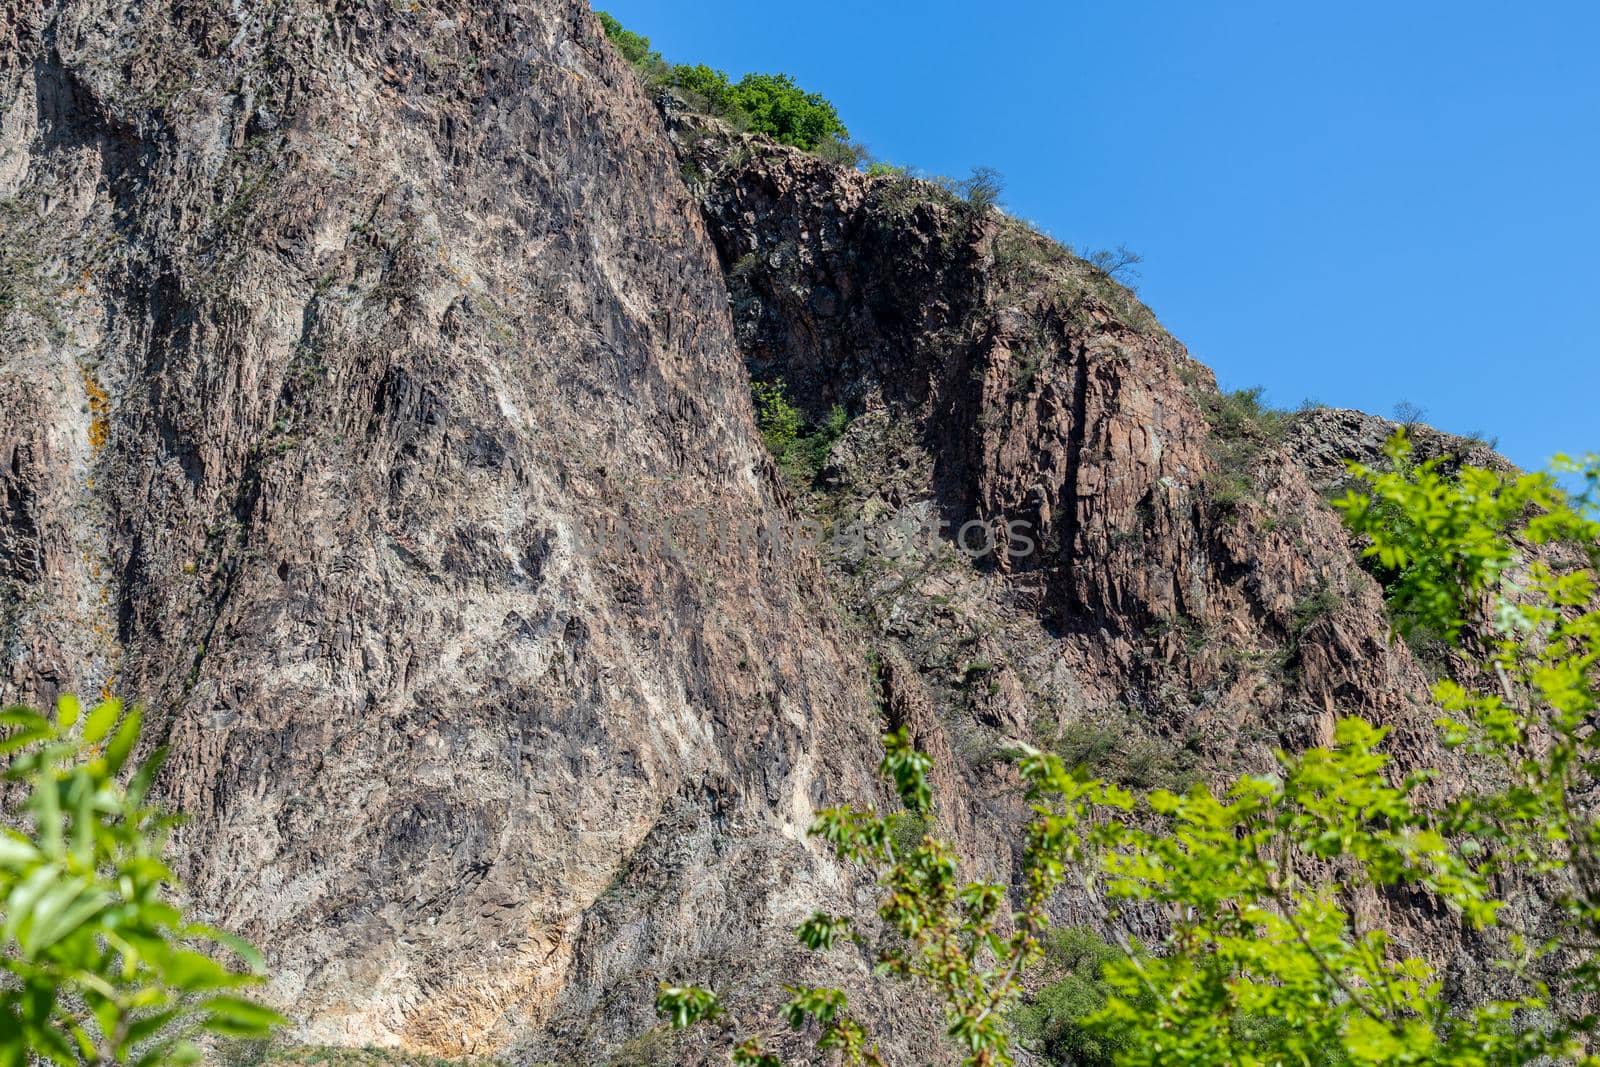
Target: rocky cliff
column 375, row 405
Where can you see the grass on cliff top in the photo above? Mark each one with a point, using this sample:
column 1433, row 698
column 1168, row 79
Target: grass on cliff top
column 1243, row 430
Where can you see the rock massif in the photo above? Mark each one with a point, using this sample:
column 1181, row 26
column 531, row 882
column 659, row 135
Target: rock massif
column 375, row 405
column 357, row 363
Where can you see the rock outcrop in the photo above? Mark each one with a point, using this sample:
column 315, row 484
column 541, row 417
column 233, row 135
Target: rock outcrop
column 1008, row 382
column 369, row 397
column 375, row 405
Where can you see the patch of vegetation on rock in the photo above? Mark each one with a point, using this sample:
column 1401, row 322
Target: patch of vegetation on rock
column 1243, row 429
column 801, row 449
column 771, row 104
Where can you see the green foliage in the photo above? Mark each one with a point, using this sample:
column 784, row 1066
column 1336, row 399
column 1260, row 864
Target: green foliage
column 1454, row 553
column 801, row 456
column 1254, row 938
column 1439, row 543
column 780, row 422
column 1051, row 1022
column 1262, row 960
column 100, row 966
column 1312, row 609
column 845, row 153
column 1256, row 935
column 776, row 106
column 949, row 934
column 703, row 88
column 771, row 104
column 906, row 831
column 1240, row 415
column 1309, row 612
column 1116, row 752
column 981, row 189
column 634, row 47
column 683, row 1005
column 1242, row 430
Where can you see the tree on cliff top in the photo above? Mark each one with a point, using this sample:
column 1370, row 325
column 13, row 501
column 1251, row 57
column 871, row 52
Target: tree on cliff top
column 770, row 104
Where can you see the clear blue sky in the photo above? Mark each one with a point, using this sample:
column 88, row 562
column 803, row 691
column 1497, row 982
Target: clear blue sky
column 1358, row 203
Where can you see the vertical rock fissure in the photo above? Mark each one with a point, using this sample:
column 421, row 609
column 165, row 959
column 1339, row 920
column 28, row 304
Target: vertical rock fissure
column 1074, row 602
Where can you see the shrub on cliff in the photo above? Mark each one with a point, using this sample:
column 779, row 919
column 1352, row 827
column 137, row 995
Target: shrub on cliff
column 1242, row 430
column 99, row 965
column 771, row 104
column 800, row 455
column 1051, row 1022
column 776, row 106
column 1264, row 955
column 635, row 48
column 701, row 87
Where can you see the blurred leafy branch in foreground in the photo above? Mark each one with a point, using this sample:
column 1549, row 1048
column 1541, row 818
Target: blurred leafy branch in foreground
column 99, row 966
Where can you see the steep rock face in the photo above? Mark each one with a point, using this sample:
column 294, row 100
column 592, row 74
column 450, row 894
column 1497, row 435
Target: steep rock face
column 1184, row 601
column 375, row 406
column 368, row 399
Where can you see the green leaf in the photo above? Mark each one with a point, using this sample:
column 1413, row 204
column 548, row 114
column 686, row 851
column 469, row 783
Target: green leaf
column 15, row 851
column 145, row 776
column 127, row 736
column 18, row 741
column 192, row 972
column 84, row 820
column 148, row 1026
column 61, row 909
column 47, row 820
column 245, row 950
column 67, row 710
column 682, row 1006
column 26, row 718
column 49, row 1042
column 101, row 720
column 236, row 1017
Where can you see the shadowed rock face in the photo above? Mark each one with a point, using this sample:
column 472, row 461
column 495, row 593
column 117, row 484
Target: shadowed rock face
column 1019, row 383
column 375, row 406
column 1189, row 602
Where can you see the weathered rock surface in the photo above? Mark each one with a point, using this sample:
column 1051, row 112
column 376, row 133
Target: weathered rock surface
column 358, row 363
column 374, row 404
column 1185, row 601
column 1033, row 388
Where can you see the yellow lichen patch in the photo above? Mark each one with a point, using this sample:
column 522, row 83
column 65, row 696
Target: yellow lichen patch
column 99, row 411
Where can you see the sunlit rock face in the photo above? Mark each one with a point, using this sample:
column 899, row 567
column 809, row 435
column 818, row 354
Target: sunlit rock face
column 374, row 404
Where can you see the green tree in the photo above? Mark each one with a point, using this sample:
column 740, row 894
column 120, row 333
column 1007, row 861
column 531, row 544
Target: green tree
column 635, row 48
column 703, row 88
column 771, row 104
column 779, row 108
column 800, row 455
column 1051, row 1021
column 100, row 966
